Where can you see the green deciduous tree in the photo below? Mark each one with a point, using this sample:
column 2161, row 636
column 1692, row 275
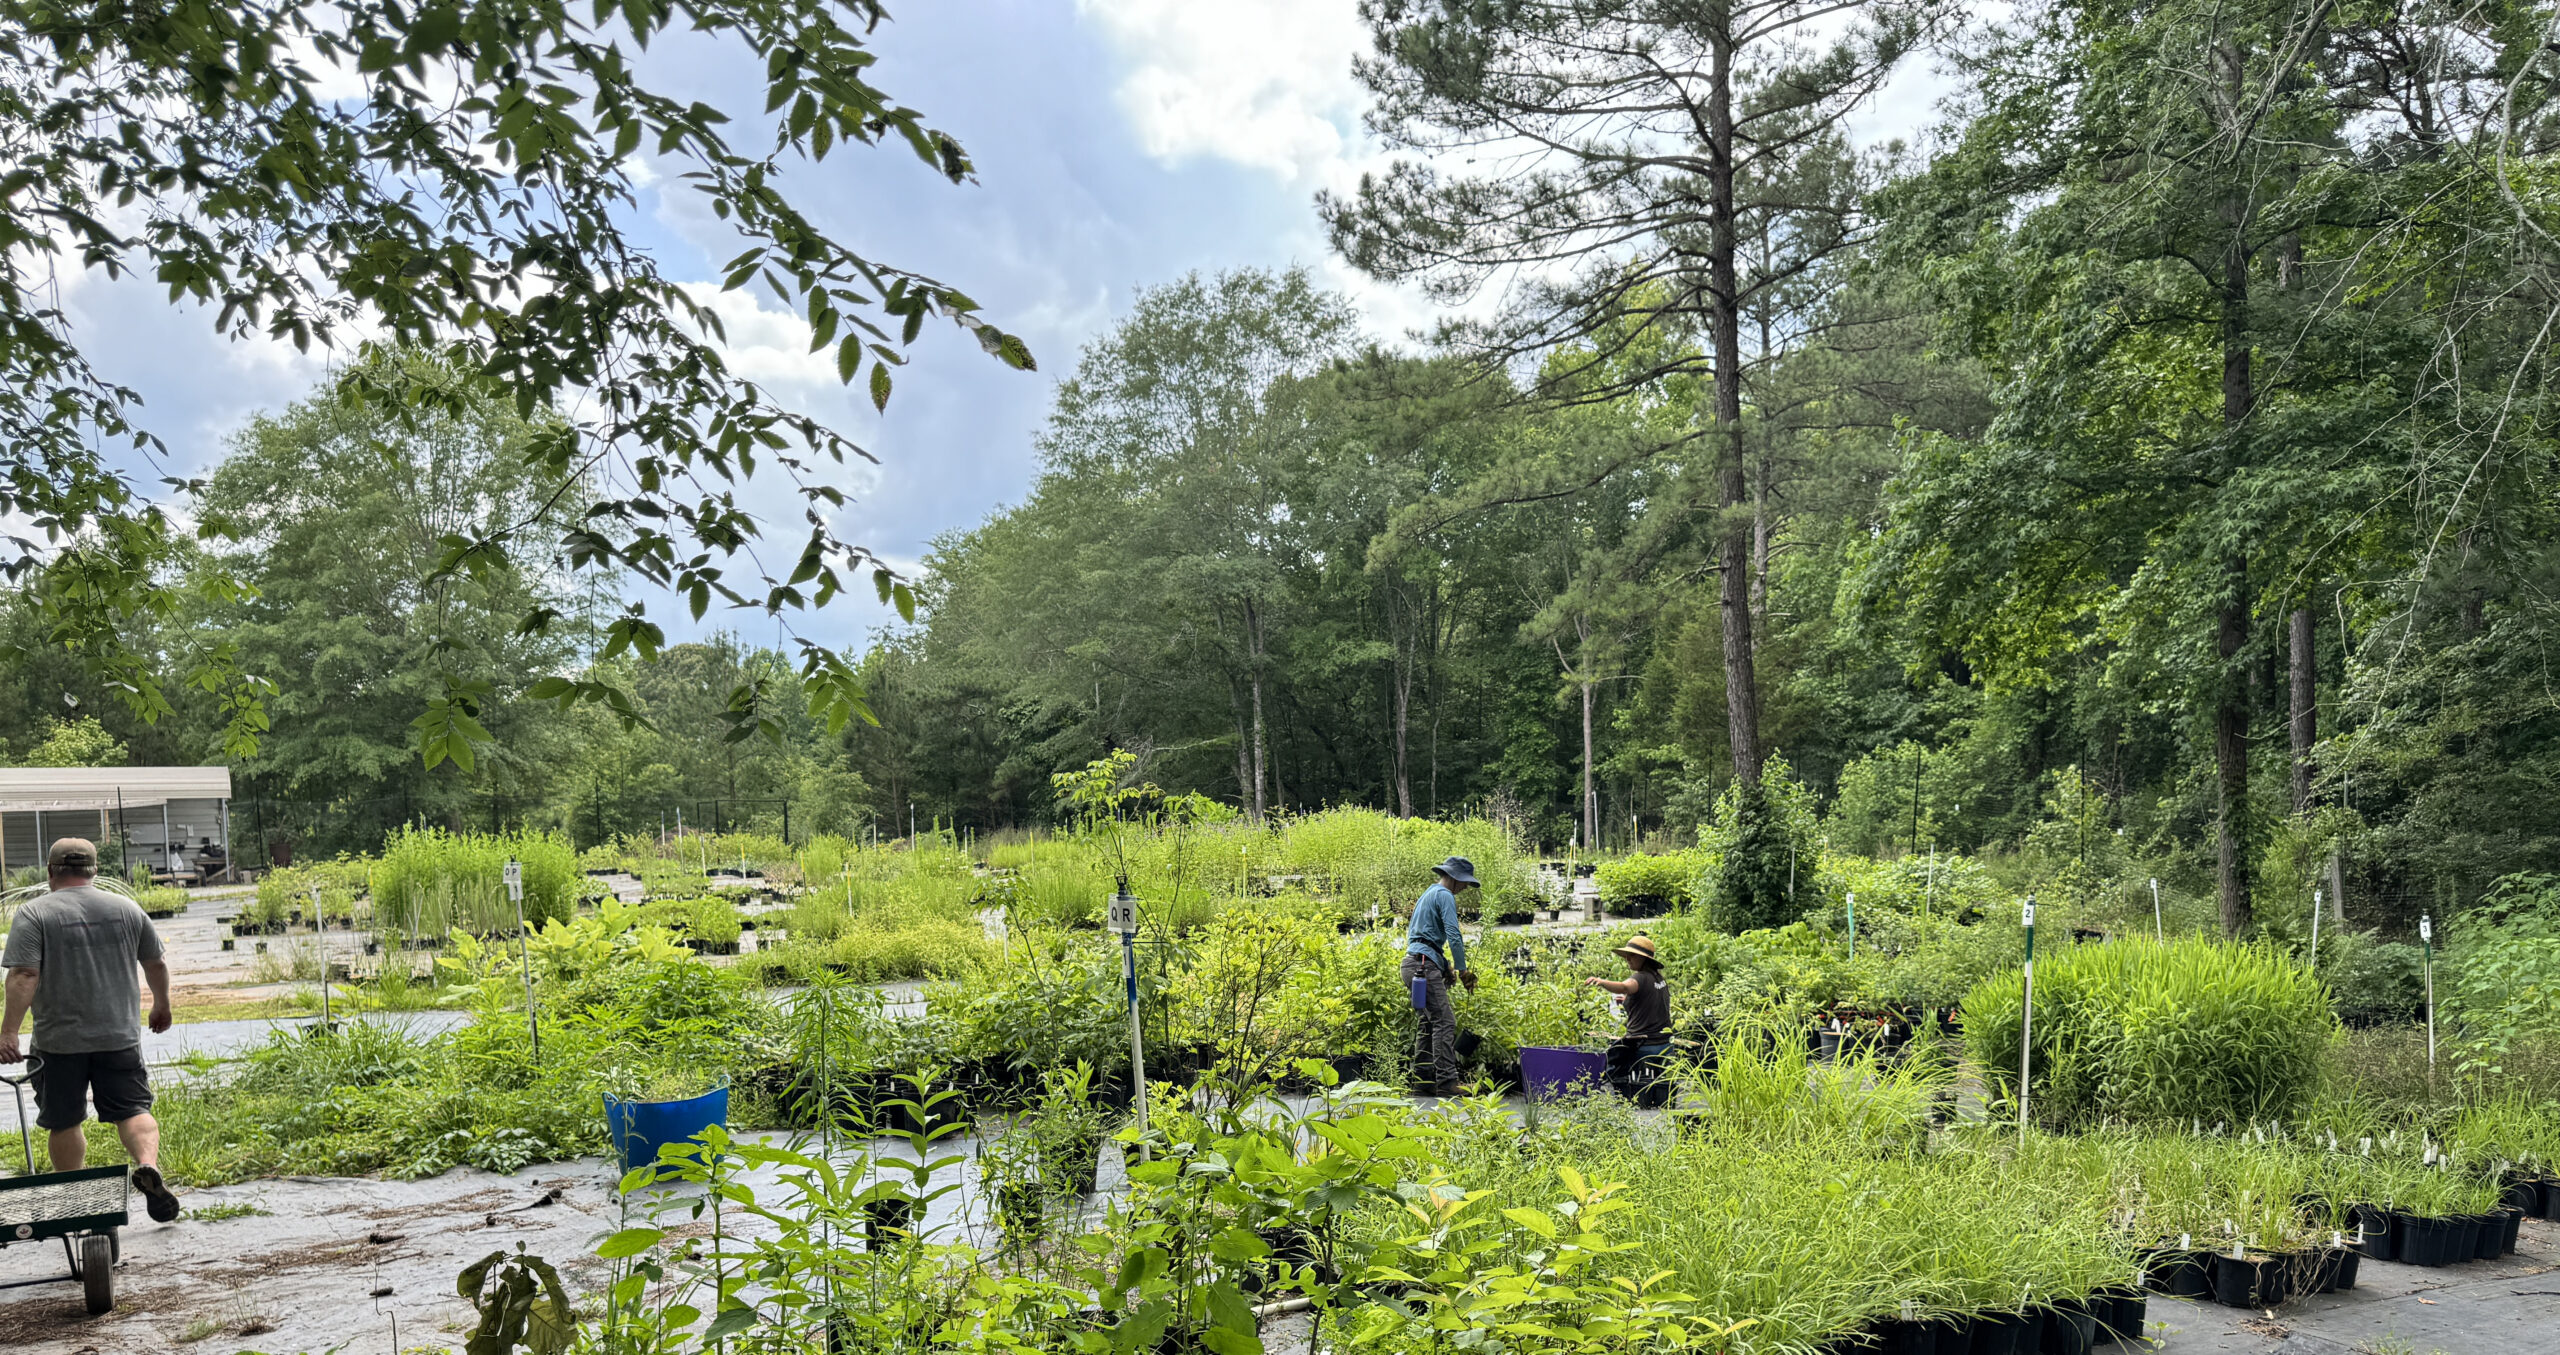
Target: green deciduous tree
column 456, row 174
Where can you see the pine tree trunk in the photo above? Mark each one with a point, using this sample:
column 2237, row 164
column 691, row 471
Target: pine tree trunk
column 1733, row 549
column 1253, row 630
column 2231, row 716
column 1404, row 715
column 1590, row 795
column 2305, row 712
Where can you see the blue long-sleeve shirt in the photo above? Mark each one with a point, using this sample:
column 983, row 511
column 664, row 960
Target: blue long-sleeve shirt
column 1435, row 925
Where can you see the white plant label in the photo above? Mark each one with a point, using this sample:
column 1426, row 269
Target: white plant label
column 2186, row 1241
column 2368, row 1145
column 1124, row 915
column 515, row 880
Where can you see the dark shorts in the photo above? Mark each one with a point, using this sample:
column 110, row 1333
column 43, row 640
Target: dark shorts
column 116, row 1077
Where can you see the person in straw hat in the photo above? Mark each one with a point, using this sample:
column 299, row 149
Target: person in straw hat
column 1647, row 1001
column 73, row 958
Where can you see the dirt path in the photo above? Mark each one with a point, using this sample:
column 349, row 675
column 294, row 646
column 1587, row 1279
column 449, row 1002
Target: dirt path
column 325, row 1264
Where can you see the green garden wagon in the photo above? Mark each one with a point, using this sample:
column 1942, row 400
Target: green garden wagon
column 84, row 1208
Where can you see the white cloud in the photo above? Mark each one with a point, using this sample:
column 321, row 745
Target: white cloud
column 1264, row 83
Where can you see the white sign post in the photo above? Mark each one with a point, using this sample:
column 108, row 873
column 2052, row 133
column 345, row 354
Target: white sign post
column 2159, row 932
column 2026, row 1016
column 320, row 922
column 2315, row 931
column 515, row 894
column 1124, row 920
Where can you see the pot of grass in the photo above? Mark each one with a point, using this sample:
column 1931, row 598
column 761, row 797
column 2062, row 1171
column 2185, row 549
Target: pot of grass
column 2246, row 1279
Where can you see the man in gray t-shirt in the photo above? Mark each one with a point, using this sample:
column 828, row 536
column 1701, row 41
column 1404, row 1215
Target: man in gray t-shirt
column 72, row 958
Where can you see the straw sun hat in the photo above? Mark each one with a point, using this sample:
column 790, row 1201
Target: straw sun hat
column 1640, row 948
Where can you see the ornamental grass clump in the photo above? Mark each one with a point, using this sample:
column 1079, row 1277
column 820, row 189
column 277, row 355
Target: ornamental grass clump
column 429, row 880
column 2165, row 1032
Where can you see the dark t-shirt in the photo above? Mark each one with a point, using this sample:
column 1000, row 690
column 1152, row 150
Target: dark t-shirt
column 86, row 946
column 1649, row 1007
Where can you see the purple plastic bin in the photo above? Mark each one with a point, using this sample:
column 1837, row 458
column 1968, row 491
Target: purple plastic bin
column 1548, row 1072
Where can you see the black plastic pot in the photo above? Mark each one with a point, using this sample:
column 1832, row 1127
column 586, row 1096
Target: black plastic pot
column 883, row 1222
column 2069, row 1328
column 2490, row 1236
column 1893, row 1336
column 2005, row 1333
column 2319, row 1272
column 2183, row 1274
column 2120, row 1315
column 2415, row 1240
column 2249, row 1281
column 2374, row 1222
column 2550, row 1197
column 2342, row 1269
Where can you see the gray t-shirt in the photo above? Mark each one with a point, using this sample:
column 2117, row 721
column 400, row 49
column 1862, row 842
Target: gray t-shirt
column 86, row 945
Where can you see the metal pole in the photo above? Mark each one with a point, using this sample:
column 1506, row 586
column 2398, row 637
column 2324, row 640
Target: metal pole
column 320, row 922
column 1124, row 917
column 2159, row 930
column 1853, row 924
column 168, row 857
column 2427, row 938
column 532, row 1016
column 1915, row 792
column 124, row 848
column 2027, row 1017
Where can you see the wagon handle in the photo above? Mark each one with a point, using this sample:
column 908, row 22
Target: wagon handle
column 17, row 1091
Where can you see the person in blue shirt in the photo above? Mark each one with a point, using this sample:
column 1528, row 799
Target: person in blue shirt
column 1435, row 955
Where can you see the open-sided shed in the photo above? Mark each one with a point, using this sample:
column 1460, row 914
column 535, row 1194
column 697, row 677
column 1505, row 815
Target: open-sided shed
column 175, row 819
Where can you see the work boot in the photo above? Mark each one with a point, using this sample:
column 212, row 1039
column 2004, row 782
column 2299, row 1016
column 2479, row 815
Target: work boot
column 1448, row 1090
column 155, row 1194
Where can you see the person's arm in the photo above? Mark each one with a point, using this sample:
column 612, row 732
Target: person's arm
column 156, row 972
column 1457, row 933
column 1622, row 987
column 21, row 995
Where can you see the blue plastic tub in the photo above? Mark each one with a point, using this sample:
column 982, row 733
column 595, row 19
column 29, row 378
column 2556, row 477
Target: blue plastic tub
column 638, row 1128
column 1548, row 1072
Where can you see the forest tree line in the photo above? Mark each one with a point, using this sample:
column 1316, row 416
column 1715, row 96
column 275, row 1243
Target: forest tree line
column 2172, row 424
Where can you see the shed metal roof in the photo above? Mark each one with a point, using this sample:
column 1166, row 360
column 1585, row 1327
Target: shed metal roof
column 49, row 788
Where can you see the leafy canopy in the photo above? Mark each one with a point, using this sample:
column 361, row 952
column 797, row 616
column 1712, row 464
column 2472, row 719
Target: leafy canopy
column 447, row 173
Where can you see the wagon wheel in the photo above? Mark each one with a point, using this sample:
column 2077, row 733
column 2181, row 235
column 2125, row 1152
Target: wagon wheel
column 98, row 1272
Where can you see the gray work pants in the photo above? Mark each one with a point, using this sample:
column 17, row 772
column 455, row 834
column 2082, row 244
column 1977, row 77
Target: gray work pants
column 1435, row 1038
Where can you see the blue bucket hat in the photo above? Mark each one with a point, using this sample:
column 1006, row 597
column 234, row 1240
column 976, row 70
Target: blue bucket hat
column 1459, row 870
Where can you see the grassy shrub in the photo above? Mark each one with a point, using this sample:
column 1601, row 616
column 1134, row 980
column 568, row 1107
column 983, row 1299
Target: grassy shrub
column 2141, row 1030
column 1669, row 882
column 711, row 919
column 429, row 880
column 286, row 890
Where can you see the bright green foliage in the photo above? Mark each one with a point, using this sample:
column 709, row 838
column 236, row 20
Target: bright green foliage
column 287, row 890
column 71, row 743
column 2177, row 1032
column 430, row 880
column 2499, row 979
column 1672, row 879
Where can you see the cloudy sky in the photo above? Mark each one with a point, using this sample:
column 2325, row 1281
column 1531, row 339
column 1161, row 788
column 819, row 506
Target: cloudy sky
column 1119, row 143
